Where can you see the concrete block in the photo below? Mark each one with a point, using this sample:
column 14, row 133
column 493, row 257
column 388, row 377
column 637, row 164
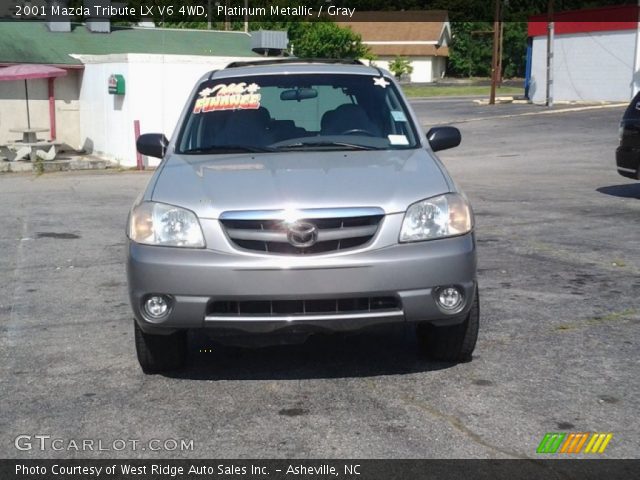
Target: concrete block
column 20, row 166
column 87, row 164
column 54, row 166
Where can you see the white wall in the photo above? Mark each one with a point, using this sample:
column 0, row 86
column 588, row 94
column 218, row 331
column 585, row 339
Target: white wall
column 422, row 70
column 594, row 66
column 439, row 67
column 156, row 90
column 105, row 124
column 425, row 69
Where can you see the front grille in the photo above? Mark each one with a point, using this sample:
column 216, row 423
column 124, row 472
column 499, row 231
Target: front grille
column 336, row 229
column 302, row 307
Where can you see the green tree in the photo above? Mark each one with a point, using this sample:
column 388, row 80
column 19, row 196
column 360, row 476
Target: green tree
column 371, row 58
column 514, row 55
column 471, row 49
column 400, row 66
column 325, row 40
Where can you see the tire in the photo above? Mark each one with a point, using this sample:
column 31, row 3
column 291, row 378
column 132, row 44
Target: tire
column 454, row 343
column 160, row 353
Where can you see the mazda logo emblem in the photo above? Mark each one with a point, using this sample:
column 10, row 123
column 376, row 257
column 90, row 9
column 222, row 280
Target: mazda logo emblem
column 302, row 234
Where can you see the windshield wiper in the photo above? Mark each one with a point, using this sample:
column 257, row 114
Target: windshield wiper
column 226, row 149
column 302, row 145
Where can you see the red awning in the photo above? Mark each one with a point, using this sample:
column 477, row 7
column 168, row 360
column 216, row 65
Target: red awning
column 589, row 20
column 29, row 71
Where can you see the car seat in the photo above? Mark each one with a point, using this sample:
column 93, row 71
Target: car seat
column 347, row 117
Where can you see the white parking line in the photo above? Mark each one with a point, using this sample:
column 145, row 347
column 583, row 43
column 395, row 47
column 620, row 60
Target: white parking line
column 544, row 112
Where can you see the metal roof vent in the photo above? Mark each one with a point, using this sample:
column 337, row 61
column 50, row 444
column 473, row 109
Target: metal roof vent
column 269, row 42
column 98, row 24
column 58, row 23
column 146, row 22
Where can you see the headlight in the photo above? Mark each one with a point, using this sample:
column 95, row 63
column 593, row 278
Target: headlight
column 160, row 224
column 438, row 217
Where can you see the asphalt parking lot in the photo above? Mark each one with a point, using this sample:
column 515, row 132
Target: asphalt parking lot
column 559, row 271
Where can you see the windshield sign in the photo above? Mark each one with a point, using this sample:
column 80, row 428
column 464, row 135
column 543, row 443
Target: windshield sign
column 228, row 97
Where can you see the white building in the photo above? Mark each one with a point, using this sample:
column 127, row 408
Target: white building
column 595, row 55
column 420, row 36
column 157, row 88
column 156, row 67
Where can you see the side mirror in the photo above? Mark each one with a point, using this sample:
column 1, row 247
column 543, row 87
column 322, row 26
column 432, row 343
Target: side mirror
column 152, row 144
column 441, row 138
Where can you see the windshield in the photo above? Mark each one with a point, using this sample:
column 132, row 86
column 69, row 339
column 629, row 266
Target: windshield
column 296, row 112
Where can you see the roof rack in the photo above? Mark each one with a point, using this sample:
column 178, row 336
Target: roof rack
column 276, row 61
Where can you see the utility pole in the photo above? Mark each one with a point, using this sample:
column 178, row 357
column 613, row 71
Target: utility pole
column 494, row 59
column 501, row 49
column 635, row 85
column 550, row 39
column 227, row 23
column 246, row 16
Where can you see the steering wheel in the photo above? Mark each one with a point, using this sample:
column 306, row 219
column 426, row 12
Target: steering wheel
column 358, row 131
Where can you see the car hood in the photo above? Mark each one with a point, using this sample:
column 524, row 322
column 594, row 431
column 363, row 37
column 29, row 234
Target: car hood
column 212, row 184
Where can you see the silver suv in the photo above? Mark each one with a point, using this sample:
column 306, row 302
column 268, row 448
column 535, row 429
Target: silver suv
column 296, row 197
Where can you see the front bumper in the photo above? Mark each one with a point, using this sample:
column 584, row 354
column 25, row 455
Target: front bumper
column 628, row 162
column 194, row 278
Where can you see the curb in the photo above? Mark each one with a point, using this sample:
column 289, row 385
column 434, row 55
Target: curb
column 504, row 99
column 518, row 100
column 55, row 165
column 541, row 112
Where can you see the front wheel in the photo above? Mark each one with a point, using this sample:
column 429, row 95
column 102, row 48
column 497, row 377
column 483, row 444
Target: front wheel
column 452, row 343
column 160, row 353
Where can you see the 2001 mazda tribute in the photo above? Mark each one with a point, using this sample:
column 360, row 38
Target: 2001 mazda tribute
column 299, row 197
